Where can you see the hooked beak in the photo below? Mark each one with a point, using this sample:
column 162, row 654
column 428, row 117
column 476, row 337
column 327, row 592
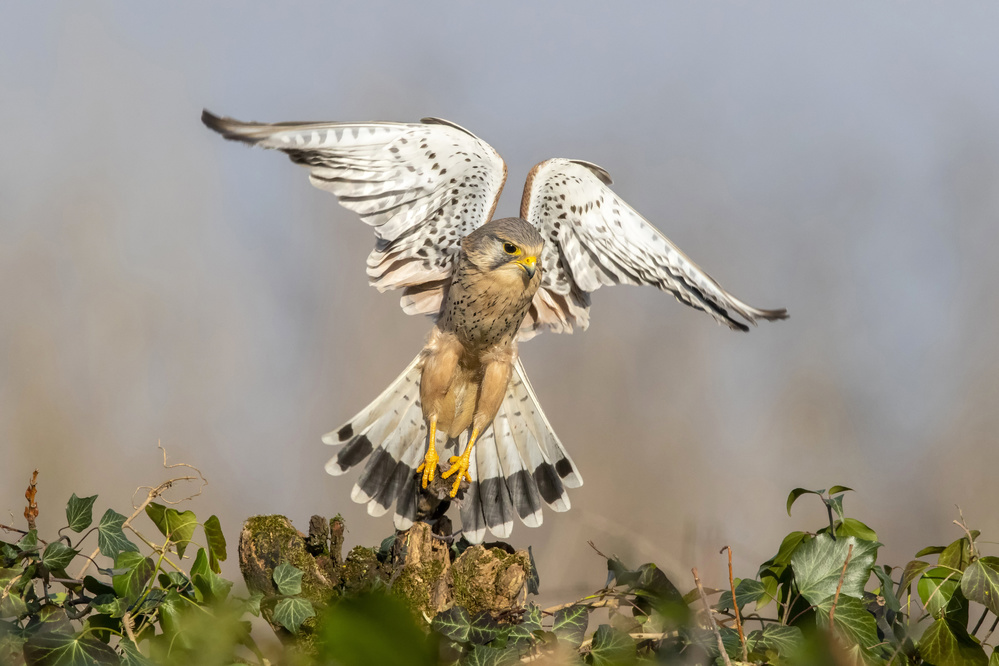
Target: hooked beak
column 529, row 264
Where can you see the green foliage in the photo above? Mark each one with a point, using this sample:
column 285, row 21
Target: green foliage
column 826, row 593
column 80, row 512
column 138, row 609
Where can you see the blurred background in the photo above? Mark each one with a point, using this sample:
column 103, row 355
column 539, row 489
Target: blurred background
column 158, row 284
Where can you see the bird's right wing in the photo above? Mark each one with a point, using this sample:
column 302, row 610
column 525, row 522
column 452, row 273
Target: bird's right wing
column 593, row 238
column 422, row 186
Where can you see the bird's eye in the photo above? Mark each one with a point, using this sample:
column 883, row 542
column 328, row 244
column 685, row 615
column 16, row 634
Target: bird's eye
column 509, row 248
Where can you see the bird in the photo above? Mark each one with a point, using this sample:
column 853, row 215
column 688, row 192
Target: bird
column 430, row 190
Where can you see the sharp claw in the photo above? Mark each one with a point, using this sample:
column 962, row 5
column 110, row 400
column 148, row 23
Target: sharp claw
column 428, row 468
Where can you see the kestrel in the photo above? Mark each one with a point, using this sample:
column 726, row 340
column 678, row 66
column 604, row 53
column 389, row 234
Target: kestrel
column 429, row 189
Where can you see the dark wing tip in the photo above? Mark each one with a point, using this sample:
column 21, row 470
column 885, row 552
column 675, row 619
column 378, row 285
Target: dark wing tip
column 774, row 315
column 597, row 171
column 229, row 128
column 440, row 121
column 756, row 313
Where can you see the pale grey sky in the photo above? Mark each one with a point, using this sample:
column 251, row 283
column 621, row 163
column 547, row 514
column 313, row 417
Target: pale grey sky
column 159, row 283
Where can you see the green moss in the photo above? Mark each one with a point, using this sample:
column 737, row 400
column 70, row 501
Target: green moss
column 362, row 572
column 275, row 540
column 477, row 575
column 414, row 584
column 413, row 590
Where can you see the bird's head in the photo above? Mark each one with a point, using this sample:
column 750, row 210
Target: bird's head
column 509, row 247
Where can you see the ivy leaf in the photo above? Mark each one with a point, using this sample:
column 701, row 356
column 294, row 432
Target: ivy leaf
column 523, row 633
column 818, row 564
column 947, row 643
column 176, row 580
column 110, row 605
column 957, row 555
column 611, row 647
column 782, row 639
column 216, row 543
column 911, row 572
column 138, row 571
column 852, row 527
column 110, row 538
column 483, row 655
column 888, row 589
column 772, row 571
column 569, row 624
column 176, row 526
column 931, row 550
column 60, row 649
column 937, row 587
column 851, row 619
column 798, row 492
column 29, row 541
column 130, row 655
column 253, row 603
column 483, row 628
column 94, row 586
column 836, row 503
column 747, row 591
column 290, row 613
column 288, row 578
column 980, row 582
column 80, row 512
column 57, row 556
column 453, row 623
column 994, row 659
column 839, row 489
column 211, row 587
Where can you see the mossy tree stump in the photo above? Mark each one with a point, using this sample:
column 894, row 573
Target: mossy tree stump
column 420, row 567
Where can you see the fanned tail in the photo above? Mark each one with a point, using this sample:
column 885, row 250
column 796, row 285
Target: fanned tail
column 391, row 434
column 518, row 465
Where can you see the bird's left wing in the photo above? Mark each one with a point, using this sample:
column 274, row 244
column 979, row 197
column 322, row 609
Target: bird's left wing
column 422, row 186
column 593, row 238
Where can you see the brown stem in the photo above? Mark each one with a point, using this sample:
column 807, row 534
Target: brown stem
column 31, row 511
column 735, row 605
column 711, row 618
column 842, row 575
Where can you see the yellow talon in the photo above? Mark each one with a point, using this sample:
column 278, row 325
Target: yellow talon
column 429, row 466
column 459, row 464
column 459, row 467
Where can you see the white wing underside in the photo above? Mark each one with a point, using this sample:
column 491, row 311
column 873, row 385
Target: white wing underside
column 424, row 186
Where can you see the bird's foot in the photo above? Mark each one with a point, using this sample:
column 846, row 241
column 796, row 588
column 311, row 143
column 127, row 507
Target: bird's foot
column 429, row 466
column 459, row 467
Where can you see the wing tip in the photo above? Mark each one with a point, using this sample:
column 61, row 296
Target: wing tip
column 597, row 170
column 229, row 128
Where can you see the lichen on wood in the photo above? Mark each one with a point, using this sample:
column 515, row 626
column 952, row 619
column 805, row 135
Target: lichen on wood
column 419, row 567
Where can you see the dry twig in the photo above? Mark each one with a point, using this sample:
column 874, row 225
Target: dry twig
column 839, row 587
column 151, row 494
column 735, row 605
column 711, row 618
column 31, row 511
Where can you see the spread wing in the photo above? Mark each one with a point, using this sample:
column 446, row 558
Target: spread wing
column 422, row 186
column 593, row 238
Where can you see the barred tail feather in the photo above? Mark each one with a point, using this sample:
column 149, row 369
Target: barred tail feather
column 390, row 434
column 518, row 465
column 519, row 462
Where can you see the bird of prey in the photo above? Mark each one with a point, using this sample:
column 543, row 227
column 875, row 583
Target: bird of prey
column 429, row 190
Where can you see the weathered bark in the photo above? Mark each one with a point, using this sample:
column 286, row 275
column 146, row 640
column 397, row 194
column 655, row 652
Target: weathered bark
column 418, row 567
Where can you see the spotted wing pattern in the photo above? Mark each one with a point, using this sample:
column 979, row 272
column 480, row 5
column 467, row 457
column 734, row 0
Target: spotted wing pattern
column 593, row 238
column 422, row 186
